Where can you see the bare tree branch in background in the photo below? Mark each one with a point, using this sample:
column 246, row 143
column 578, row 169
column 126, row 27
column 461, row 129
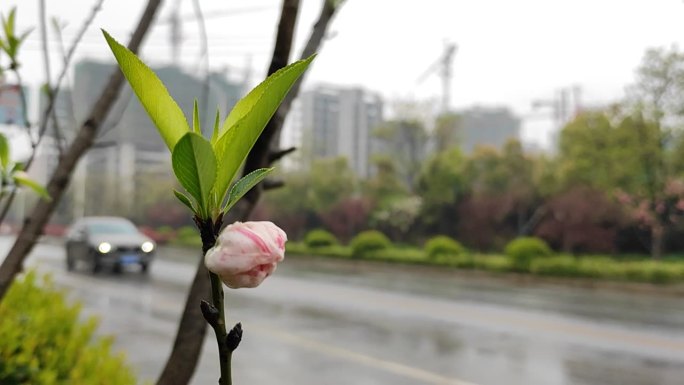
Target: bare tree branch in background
column 187, row 346
column 59, row 180
column 52, row 93
column 264, row 151
column 204, row 57
column 66, row 59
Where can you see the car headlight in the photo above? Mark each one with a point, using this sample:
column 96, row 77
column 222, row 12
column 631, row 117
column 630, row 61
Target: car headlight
column 104, row 247
column 147, row 246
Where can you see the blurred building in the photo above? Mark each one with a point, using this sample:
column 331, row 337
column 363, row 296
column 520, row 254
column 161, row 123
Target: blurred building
column 329, row 121
column 486, row 126
column 128, row 147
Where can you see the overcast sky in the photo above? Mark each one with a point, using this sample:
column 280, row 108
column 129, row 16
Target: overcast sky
column 509, row 52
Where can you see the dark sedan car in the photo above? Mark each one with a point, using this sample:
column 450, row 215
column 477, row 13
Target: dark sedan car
column 108, row 241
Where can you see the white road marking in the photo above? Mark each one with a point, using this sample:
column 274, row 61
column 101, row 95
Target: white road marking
column 364, row 359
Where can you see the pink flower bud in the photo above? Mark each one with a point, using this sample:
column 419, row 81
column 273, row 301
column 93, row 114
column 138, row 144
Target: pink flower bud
column 246, row 253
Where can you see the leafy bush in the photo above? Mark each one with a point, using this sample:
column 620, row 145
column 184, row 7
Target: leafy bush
column 525, row 249
column 44, row 342
column 369, row 241
column 337, row 251
column 653, row 271
column 402, row 255
column 443, row 245
column 319, row 238
column 560, row 266
column 187, row 232
column 493, row 263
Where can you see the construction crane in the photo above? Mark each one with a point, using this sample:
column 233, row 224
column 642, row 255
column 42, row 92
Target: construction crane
column 443, row 68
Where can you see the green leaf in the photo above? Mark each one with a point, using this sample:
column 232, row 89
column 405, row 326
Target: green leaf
column 217, row 122
column 246, row 183
column 21, row 179
column 247, row 120
column 194, row 164
column 4, row 151
column 195, row 119
column 154, row 97
column 8, row 24
column 184, row 200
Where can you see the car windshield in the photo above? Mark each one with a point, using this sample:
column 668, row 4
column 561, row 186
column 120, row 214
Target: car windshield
column 111, row 228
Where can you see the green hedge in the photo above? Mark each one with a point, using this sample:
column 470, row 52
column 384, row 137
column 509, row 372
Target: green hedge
column 524, row 250
column 592, row 267
column 44, row 342
column 367, row 242
column 442, row 245
column 319, row 238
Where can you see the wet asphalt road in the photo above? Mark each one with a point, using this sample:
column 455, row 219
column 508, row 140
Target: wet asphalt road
column 332, row 322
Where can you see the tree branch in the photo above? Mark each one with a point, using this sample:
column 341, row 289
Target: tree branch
column 258, row 157
column 276, row 155
column 59, row 180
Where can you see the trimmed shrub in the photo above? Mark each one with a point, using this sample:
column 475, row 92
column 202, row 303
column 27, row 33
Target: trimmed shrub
column 368, row 241
column 300, row 248
column 493, row 263
column 402, row 255
column 45, row 342
column 525, row 249
column 443, row 245
column 560, row 266
column 319, row 238
column 187, row 232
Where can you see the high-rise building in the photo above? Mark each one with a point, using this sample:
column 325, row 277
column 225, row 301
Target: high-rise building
column 329, row 121
column 481, row 126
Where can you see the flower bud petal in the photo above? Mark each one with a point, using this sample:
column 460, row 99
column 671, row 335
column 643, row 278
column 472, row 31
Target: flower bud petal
column 246, row 253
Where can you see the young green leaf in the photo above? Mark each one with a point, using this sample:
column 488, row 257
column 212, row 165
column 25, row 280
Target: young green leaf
column 154, row 97
column 184, row 200
column 4, row 151
column 217, row 122
column 195, row 119
column 246, row 183
column 194, row 164
column 247, row 120
column 21, row 179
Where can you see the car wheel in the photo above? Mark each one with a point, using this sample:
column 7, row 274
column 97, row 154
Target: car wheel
column 96, row 263
column 70, row 263
column 118, row 268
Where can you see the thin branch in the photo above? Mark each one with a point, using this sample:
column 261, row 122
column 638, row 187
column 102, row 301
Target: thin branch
column 272, row 184
column 46, row 67
column 276, row 155
column 204, row 55
column 54, row 91
column 115, row 116
column 258, row 157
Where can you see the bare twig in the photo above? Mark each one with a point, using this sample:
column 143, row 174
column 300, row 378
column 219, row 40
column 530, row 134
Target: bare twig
column 115, row 116
column 204, row 55
column 53, row 92
column 258, row 157
column 272, row 184
column 46, row 68
column 276, row 155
